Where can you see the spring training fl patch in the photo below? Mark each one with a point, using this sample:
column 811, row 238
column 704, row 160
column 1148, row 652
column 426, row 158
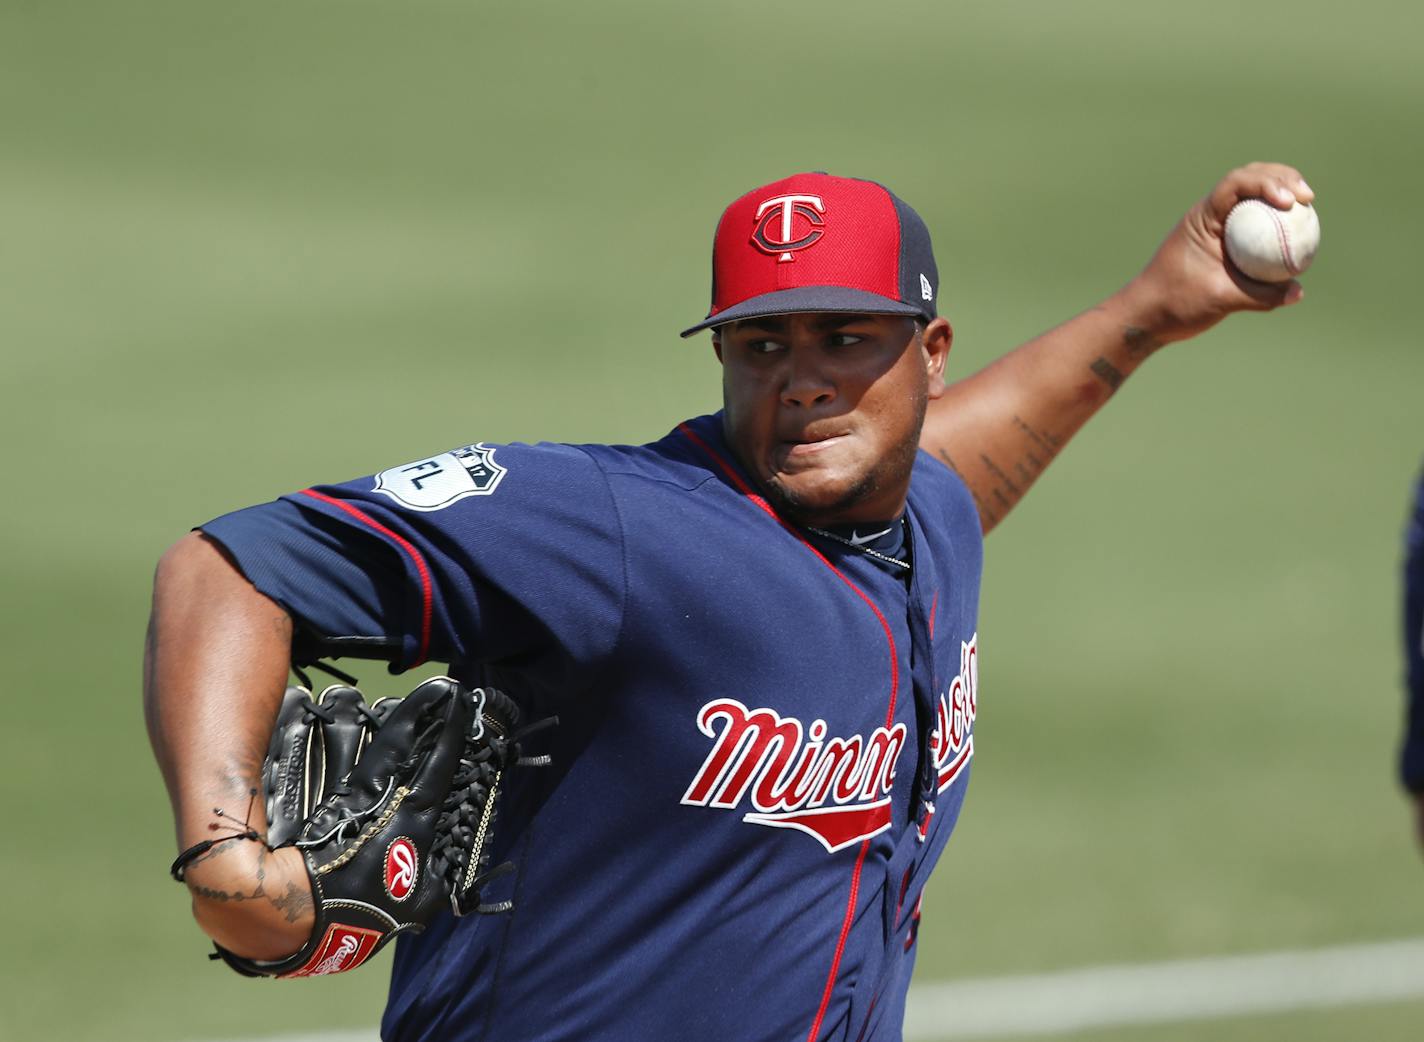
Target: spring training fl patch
column 437, row 482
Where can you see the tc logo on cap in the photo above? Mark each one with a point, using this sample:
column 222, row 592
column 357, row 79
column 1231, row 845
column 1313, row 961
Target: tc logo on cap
column 777, row 224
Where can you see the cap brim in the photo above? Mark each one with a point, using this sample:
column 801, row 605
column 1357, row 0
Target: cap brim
column 808, row 298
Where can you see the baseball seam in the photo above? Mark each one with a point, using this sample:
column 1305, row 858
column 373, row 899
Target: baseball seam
column 1283, row 236
column 1288, row 256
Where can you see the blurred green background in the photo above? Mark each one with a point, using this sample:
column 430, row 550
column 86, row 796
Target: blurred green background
column 251, row 246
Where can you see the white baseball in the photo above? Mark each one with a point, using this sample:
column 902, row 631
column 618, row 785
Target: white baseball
column 1269, row 244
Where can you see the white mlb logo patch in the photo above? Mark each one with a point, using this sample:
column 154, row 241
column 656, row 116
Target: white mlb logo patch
column 437, row 482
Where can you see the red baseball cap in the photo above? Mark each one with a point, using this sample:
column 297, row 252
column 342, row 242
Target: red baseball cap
column 813, row 242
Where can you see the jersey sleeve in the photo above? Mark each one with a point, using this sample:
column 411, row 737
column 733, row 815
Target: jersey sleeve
column 1412, row 753
column 507, row 555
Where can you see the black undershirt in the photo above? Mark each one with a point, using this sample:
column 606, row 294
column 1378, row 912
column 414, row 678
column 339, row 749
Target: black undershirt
column 886, row 538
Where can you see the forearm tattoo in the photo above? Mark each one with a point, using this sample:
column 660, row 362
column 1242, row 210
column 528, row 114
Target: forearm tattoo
column 997, row 484
column 1045, row 445
column 259, row 892
column 1008, row 482
column 293, row 903
column 988, row 516
column 1139, row 342
column 1107, row 373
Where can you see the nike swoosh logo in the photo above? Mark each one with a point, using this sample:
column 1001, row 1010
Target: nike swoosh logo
column 861, row 540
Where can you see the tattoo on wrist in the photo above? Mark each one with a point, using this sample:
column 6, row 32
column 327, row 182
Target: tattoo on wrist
column 1107, row 373
column 236, row 896
column 223, row 895
column 1140, row 343
column 294, row 903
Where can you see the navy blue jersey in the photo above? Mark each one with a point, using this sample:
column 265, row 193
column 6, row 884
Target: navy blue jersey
column 1412, row 754
column 764, row 739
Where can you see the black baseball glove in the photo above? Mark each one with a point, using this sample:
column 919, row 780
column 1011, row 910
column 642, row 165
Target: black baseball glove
column 390, row 805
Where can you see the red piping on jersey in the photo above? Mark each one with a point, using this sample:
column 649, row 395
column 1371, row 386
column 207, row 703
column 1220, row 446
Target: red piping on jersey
column 761, row 502
column 426, row 590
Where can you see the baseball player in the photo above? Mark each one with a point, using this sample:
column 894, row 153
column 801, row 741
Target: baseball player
column 1411, row 760
column 758, row 634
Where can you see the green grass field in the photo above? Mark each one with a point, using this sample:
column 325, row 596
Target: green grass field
column 251, row 246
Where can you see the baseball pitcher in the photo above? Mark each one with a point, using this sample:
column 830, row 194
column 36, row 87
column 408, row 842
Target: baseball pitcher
column 757, row 633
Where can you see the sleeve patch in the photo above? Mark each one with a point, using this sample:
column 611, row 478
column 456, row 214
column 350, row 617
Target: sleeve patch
column 438, row 482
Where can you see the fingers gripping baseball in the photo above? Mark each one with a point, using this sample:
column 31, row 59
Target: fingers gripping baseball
column 1190, row 284
column 1262, row 215
column 1280, row 185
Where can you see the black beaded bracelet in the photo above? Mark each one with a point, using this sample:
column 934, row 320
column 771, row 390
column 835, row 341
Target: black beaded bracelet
column 197, row 850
